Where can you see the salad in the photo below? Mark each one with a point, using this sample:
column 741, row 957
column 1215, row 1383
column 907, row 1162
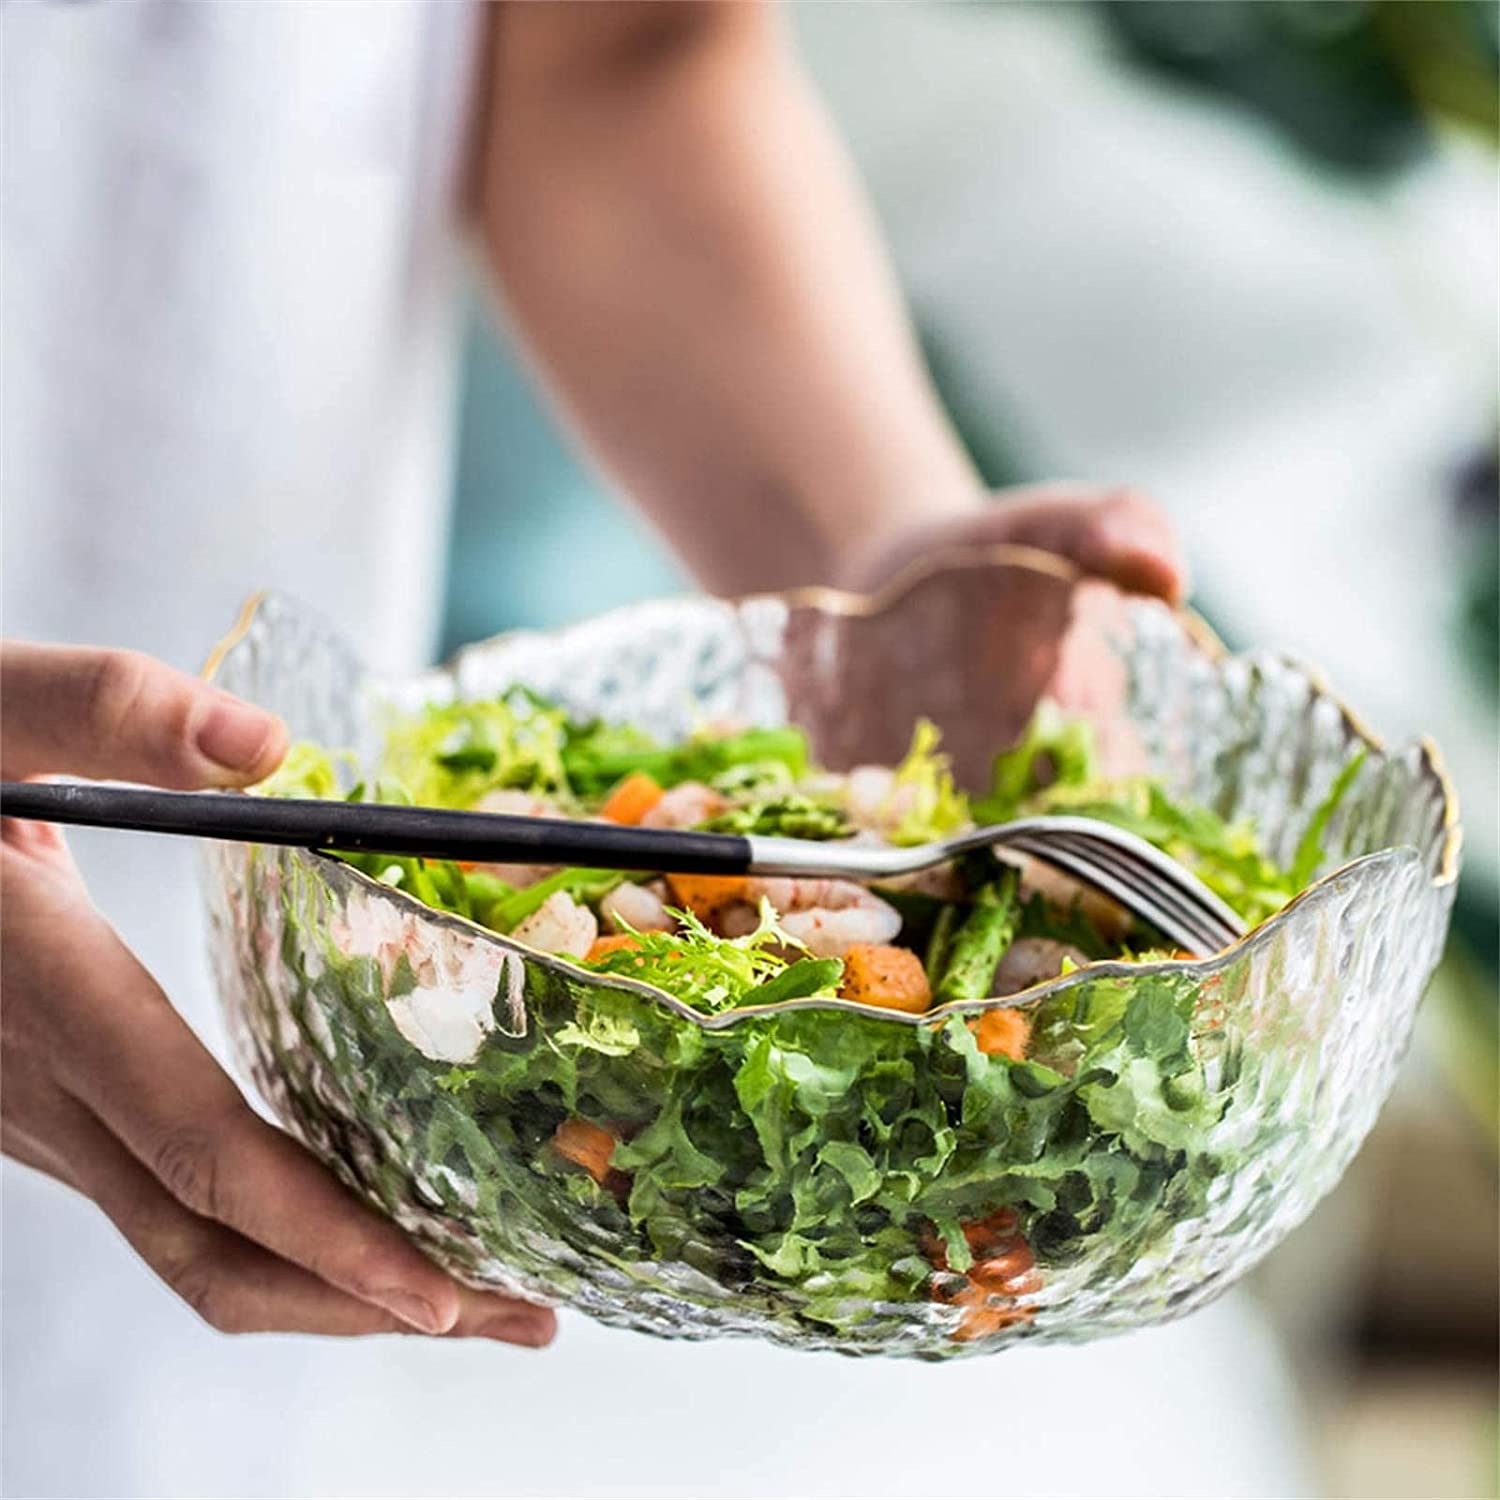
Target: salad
column 834, row 1168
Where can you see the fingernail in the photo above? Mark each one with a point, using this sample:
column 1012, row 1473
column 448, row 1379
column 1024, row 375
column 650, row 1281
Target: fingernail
column 534, row 1330
column 411, row 1308
column 236, row 735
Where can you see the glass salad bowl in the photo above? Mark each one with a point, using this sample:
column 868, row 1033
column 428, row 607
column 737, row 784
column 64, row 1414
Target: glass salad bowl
column 821, row 1173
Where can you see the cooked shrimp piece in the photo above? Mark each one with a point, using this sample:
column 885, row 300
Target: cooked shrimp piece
column 866, row 791
column 826, row 916
column 940, row 881
column 686, row 804
column 559, row 925
column 1029, row 960
column 830, row 932
column 873, row 800
column 641, row 907
column 517, row 804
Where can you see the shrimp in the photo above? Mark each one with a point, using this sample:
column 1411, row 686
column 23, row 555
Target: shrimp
column 1061, row 892
column 642, row 907
column 943, row 882
column 512, row 800
column 1029, row 960
column 874, row 801
column 559, row 925
column 517, row 804
column 826, row 916
column 688, row 803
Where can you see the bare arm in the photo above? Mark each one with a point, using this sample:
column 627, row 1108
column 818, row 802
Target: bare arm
column 682, row 244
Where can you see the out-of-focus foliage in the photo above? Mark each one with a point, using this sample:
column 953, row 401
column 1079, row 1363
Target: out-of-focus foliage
column 1357, row 84
column 1479, row 615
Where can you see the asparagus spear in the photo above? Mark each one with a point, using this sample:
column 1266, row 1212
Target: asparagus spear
column 980, row 943
column 940, row 945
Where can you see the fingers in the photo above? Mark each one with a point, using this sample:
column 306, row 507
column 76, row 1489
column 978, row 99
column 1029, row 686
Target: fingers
column 1128, row 540
column 507, row 1320
column 89, row 712
column 1116, row 534
column 235, row 1285
column 127, row 1055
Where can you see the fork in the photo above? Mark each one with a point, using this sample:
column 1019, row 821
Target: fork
column 1138, row 876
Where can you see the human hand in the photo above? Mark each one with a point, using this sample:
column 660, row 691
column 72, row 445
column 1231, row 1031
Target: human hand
column 1114, row 534
column 104, row 1087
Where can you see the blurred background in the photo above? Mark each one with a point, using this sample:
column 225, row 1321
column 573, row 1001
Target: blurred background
column 1243, row 254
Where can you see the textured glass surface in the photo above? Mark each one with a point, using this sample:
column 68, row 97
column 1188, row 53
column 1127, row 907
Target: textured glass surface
column 349, row 1000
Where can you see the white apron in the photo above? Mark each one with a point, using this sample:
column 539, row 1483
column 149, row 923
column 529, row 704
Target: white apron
column 228, row 360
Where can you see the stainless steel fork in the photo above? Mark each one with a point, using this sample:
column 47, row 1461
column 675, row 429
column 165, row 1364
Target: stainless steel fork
column 1129, row 870
column 1126, row 868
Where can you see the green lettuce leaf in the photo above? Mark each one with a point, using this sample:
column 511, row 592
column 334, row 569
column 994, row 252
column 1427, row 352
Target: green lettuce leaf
column 925, row 775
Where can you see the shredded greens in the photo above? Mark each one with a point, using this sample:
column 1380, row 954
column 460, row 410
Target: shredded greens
column 820, row 1164
column 925, row 778
column 450, row 756
column 790, row 815
column 597, row 755
column 713, row 973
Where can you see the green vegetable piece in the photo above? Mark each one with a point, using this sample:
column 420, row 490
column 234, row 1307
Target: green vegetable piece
column 798, row 981
column 469, row 758
column 925, row 775
column 1158, row 1021
column 484, row 888
column 598, row 756
column 790, row 815
column 940, row 944
column 307, row 771
column 585, row 886
column 1054, row 751
column 707, row 971
column 451, row 754
column 854, row 1164
column 1310, row 852
column 980, row 943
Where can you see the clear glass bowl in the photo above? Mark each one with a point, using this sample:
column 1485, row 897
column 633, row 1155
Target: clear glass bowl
column 350, row 1001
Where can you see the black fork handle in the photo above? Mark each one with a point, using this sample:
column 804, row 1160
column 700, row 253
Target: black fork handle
column 377, row 828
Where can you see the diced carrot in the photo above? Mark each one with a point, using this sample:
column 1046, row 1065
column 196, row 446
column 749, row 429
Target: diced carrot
column 933, row 1247
column 611, row 943
column 984, row 1236
column 1002, row 1272
column 984, row 1315
column 882, row 974
column 707, row 895
column 996, row 1233
column 467, row 864
column 1003, row 1033
column 632, row 798
column 585, row 1145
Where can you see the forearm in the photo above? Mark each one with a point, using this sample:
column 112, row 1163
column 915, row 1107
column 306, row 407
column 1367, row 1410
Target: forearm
column 682, row 246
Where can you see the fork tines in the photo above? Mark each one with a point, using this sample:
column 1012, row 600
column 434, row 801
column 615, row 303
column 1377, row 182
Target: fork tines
column 1150, row 888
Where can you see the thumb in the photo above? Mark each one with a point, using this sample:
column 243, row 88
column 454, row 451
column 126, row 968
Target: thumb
column 84, row 711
